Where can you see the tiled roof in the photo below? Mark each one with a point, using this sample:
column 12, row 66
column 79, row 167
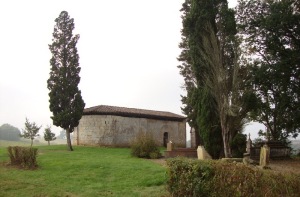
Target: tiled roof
column 132, row 112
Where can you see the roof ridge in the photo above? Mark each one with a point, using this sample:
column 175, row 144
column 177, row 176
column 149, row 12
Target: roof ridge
column 131, row 112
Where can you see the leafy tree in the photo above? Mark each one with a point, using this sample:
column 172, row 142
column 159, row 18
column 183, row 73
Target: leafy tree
column 48, row 135
column 217, row 95
column 31, row 131
column 271, row 34
column 66, row 102
column 9, row 132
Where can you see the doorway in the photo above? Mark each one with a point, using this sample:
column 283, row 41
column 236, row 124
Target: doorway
column 166, row 139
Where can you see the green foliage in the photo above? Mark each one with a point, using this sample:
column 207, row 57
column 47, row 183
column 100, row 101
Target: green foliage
column 48, row 135
column 189, row 177
column 217, row 178
column 214, row 76
column 23, row 156
column 144, row 146
column 31, row 131
column 198, row 104
column 66, row 102
column 9, row 132
column 271, row 35
column 238, row 145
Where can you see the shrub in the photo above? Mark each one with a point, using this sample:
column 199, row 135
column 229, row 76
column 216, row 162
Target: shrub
column 155, row 155
column 144, row 146
column 189, row 177
column 217, row 178
column 23, row 156
column 238, row 145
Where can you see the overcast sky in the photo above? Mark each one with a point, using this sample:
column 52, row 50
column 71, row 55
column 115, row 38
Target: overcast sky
column 127, row 50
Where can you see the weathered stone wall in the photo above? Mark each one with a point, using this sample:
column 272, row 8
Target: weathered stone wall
column 107, row 130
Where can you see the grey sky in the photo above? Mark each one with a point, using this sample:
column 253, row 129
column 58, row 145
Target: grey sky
column 127, row 50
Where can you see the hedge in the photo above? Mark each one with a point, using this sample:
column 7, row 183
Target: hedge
column 188, row 177
column 23, row 156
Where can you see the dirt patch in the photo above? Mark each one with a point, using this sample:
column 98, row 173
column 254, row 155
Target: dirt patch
column 286, row 166
column 161, row 161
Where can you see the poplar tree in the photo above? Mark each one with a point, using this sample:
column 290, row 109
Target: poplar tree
column 217, row 99
column 66, row 102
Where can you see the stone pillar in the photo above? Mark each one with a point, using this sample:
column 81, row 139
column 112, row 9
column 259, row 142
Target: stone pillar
column 169, row 146
column 202, row 154
column 264, row 156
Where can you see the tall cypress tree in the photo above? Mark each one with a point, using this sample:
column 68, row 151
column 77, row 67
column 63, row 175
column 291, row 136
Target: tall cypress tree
column 199, row 106
column 66, row 102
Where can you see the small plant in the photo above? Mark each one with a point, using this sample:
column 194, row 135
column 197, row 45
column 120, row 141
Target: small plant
column 31, row 131
column 23, row 156
column 48, row 135
column 144, row 146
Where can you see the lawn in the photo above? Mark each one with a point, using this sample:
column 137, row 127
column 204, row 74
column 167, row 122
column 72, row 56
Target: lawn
column 87, row 171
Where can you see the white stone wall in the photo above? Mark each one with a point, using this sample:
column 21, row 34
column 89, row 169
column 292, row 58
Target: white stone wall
column 107, row 130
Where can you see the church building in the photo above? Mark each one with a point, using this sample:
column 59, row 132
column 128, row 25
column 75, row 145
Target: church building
column 117, row 126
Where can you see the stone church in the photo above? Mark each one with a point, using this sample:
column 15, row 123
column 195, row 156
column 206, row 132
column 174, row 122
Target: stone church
column 117, row 126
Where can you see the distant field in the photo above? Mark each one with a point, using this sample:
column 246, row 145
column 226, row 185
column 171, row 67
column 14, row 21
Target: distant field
column 87, row 171
column 26, row 142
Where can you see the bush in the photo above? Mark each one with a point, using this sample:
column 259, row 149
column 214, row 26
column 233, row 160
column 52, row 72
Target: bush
column 238, row 145
column 23, row 156
column 217, row 178
column 189, row 177
column 144, row 146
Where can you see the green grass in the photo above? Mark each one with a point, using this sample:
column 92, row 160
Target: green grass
column 87, row 171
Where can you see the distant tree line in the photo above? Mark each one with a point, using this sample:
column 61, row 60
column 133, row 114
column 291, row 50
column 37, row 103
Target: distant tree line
column 30, row 131
column 9, row 132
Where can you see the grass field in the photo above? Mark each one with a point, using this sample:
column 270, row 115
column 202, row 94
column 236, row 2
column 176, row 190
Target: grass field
column 27, row 142
column 87, row 171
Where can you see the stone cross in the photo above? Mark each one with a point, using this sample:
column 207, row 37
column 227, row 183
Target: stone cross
column 248, row 145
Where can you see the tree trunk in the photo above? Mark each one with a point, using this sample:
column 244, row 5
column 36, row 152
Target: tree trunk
column 31, row 143
column 227, row 150
column 48, row 143
column 198, row 139
column 69, row 140
column 226, row 139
